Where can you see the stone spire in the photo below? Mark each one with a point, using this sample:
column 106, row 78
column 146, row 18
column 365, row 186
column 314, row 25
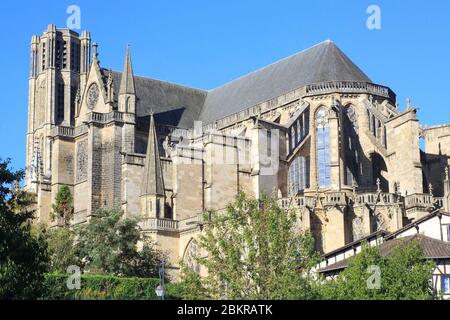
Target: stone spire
column 127, row 81
column 152, row 183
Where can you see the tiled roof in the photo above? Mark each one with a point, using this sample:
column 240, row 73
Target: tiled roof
column 432, row 249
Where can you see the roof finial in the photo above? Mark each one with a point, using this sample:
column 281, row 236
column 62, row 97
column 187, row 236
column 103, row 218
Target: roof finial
column 446, row 173
column 95, row 51
column 378, row 185
column 430, row 189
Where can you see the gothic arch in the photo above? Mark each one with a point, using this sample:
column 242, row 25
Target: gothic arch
column 127, row 104
column 378, row 167
column 191, row 251
column 351, row 145
column 374, row 126
column 322, row 137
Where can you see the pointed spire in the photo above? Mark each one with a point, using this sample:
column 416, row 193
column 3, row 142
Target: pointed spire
column 127, row 81
column 152, row 183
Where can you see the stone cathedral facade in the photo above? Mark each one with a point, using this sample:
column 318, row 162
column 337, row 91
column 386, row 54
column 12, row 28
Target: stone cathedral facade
column 312, row 130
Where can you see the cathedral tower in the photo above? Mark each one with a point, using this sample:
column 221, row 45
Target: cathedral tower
column 59, row 63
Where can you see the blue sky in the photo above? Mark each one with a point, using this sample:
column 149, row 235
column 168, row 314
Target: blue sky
column 207, row 43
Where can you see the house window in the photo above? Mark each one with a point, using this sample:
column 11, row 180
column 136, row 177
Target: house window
column 323, row 148
column 445, row 285
column 448, row 233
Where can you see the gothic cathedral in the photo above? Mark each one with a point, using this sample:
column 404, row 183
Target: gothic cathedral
column 312, row 130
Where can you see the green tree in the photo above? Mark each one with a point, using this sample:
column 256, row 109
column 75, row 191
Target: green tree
column 61, row 248
column 109, row 245
column 408, row 274
column 404, row 275
column 23, row 259
column 190, row 286
column 63, row 206
column 254, row 251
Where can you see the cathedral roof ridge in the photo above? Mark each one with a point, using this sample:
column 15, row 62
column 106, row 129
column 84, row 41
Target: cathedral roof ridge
column 323, row 62
column 142, row 77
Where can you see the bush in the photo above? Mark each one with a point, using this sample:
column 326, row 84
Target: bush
column 104, row 287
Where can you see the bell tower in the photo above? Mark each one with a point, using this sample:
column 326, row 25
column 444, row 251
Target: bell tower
column 59, row 63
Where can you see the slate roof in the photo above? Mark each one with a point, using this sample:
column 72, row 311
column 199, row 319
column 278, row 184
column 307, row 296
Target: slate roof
column 320, row 63
column 433, row 249
column 172, row 104
column 182, row 105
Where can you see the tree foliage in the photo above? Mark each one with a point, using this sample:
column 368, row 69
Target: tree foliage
column 60, row 244
column 254, row 251
column 108, row 244
column 404, row 275
column 23, row 259
column 63, row 206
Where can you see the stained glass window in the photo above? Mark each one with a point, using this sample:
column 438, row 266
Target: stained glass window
column 298, row 175
column 323, row 148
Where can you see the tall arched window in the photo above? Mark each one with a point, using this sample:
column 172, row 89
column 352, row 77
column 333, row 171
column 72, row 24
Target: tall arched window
column 292, row 138
column 323, row 148
column 298, row 175
column 374, row 126
column 351, row 152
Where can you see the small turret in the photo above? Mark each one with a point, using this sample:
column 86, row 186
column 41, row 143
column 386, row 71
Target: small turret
column 152, row 188
column 127, row 92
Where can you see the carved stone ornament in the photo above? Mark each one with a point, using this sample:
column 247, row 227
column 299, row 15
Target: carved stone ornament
column 92, row 96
